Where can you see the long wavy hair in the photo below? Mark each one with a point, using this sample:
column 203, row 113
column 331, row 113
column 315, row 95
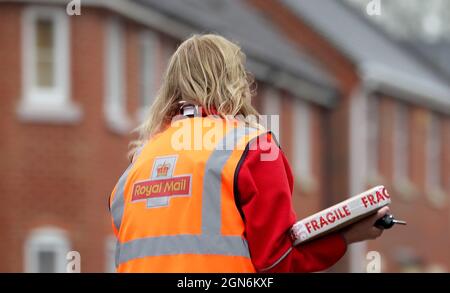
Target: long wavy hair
column 208, row 71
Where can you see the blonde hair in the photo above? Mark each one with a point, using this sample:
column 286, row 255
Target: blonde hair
column 206, row 70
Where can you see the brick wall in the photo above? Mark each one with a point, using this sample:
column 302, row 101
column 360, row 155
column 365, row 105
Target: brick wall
column 59, row 175
column 10, row 91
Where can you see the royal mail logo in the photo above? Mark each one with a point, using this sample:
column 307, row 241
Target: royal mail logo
column 162, row 170
column 162, row 185
column 160, row 188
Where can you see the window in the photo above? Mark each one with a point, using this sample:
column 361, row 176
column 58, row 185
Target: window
column 401, row 145
column 45, row 61
column 434, row 183
column 434, row 157
column 302, row 141
column 272, row 108
column 169, row 48
column 115, row 100
column 46, row 250
column 373, row 136
column 404, row 187
column 148, row 70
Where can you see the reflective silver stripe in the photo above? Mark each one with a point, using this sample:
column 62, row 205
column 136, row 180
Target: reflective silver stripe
column 183, row 244
column 210, row 241
column 118, row 204
column 212, row 181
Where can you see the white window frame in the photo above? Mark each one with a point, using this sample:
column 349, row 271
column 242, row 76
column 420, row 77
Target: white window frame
column 47, row 104
column 115, row 103
column 148, row 52
column 272, row 106
column 302, row 142
column 46, row 239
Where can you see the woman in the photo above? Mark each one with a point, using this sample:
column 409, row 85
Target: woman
column 208, row 190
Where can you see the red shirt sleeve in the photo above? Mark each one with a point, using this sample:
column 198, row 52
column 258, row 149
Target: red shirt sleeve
column 264, row 191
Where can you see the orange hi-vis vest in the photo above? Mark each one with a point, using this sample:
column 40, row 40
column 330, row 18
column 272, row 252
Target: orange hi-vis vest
column 173, row 209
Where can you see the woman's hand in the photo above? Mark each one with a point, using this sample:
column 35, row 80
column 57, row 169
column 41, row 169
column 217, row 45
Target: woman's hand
column 365, row 229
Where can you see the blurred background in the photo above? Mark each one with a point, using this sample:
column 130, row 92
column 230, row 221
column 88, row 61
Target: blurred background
column 361, row 87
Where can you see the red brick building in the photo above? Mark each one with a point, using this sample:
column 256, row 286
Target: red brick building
column 72, row 88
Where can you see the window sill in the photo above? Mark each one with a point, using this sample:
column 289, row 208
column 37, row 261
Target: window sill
column 118, row 121
column 63, row 113
column 437, row 197
column 375, row 179
column 142, row 114
column 306, row 185
column 406, row 190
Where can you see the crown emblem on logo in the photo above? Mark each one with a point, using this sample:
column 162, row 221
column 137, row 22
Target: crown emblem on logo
column 162, row 169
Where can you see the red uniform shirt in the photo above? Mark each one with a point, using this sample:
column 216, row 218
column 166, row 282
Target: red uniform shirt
column 264, row 196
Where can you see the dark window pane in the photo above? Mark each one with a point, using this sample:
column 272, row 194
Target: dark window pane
column 47, row 262
column 45, row 53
